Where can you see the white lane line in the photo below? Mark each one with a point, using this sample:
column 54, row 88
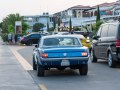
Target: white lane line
column 43, row 87
column 22, row 61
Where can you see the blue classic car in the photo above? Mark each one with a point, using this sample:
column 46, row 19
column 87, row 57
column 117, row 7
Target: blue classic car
column 60, row 51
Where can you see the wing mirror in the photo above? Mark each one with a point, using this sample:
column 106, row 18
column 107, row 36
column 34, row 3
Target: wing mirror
column 96, row 37
column 36, row 46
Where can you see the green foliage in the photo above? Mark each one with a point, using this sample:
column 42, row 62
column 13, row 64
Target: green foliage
column 10, row 28
column 98, row 15
column 96, row 26
column 4, row 37
column 47, row 26
column 37, row 27
column 70, row 25
column 54, row 22
column 24, row 27
column 51, row 29
column 10, row 20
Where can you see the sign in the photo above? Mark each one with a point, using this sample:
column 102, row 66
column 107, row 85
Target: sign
column 18, row 27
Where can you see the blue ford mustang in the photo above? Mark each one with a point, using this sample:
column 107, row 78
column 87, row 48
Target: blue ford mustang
column 60, row 52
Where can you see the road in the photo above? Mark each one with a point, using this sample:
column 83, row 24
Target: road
column 100, row 76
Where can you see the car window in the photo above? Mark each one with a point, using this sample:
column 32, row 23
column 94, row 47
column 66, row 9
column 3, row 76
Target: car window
column 112, row 30
column 35, row 36
column 61, row 41
column 104, row 31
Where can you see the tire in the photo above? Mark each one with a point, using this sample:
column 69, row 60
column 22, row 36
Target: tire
column 83, row 69
column 34, row 65
column 111, row 62
column 40, row 71
column 93, row 57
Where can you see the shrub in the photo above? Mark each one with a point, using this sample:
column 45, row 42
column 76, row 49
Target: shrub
column 4, row 37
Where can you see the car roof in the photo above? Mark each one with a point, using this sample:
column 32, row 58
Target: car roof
column 72, row 35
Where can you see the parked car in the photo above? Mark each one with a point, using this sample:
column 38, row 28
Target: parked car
column 106, row 44
column 60, row 51
column 30, row 39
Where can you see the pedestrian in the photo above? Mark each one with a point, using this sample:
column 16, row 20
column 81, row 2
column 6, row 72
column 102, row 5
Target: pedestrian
column 10, row 38
column 16, row 38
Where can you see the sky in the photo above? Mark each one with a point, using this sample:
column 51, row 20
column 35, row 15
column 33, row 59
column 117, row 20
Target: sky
column 37, row 7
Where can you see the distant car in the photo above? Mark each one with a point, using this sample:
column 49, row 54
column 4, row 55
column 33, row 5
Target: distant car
column 60, row 51
column 85, row 41
column 30, row 39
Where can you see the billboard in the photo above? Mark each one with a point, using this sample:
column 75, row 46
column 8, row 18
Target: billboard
column 18, row 27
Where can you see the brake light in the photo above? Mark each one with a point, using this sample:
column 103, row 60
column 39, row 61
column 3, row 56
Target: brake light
column 117, row 43
column 44, row 55
column 84, row 53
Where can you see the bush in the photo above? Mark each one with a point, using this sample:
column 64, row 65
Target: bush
column 4, row 37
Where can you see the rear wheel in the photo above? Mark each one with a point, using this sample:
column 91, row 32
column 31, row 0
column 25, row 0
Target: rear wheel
column 92, row 56
column 40, row 71
column 34, row 65
column 83, row 69
column 111, row 62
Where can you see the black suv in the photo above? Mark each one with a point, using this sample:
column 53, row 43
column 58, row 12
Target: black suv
column 106, row 44
column 30, row 39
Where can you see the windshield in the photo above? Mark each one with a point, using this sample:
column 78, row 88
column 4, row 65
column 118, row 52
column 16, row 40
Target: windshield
column 61, row 41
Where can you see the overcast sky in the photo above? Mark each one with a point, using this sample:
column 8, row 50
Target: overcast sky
column 37, row 7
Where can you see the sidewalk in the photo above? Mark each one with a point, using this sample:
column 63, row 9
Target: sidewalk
column 12, row 74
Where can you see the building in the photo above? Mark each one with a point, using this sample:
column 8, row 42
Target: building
column 45, row 18
column 86, row 15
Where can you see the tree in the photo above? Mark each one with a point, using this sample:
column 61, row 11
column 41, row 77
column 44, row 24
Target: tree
column 59, row 22
column 10, row 21
column 25, row 27
column 70, row 25
column 98, row 14
column 10, row 28
column 37, row 27
column 47, row 25
column 54, row 22
column 98, row 21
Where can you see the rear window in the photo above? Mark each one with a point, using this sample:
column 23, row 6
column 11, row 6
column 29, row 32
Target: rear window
column 61, row 41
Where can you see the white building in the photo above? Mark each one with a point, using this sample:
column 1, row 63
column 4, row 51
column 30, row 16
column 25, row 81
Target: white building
column 86, row 15
column 45, row 18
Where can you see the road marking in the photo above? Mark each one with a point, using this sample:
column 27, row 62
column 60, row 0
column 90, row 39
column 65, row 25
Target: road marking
column 21, row 60
column 24, row 63
column 43, row 87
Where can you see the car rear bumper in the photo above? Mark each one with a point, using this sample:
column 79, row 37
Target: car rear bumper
column 57, row 62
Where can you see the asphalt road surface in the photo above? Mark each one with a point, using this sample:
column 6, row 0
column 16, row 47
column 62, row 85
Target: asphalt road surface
column 100, row 76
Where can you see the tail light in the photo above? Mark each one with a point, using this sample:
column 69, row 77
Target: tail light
column 44, row 55
column 84, row 53
column 117, row 43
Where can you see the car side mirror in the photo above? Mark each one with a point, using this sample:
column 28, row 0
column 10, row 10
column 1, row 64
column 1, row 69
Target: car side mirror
column 96, row 37
column 36, row 46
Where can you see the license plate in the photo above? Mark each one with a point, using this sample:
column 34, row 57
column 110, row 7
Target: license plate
column 65, row 63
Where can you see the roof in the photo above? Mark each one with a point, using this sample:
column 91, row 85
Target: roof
column 104, row 4
column 80, row 7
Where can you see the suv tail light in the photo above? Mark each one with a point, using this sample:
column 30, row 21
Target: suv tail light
column 84, row 53
column 44, row 55
column 117, row 43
